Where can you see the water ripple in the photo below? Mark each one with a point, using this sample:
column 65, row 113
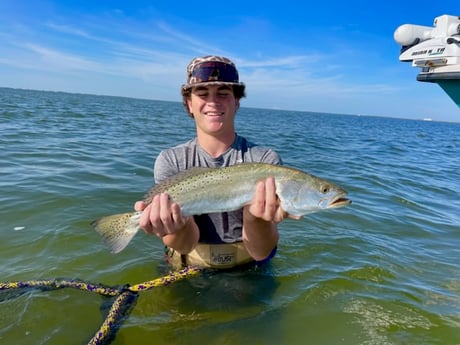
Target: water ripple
column 381, row 271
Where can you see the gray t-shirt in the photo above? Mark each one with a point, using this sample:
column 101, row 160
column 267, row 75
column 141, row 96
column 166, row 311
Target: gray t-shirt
column 214, row 228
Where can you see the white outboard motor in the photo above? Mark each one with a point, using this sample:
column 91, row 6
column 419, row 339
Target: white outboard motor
column 409, row 34
column 435, row 50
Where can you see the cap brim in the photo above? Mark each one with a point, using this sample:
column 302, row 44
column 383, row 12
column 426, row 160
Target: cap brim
column 208, row 83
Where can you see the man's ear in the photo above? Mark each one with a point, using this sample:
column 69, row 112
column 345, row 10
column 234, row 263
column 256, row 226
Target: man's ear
column 189, row 106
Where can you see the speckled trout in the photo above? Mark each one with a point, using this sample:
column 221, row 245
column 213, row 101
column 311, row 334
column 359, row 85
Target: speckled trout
column 208, row 190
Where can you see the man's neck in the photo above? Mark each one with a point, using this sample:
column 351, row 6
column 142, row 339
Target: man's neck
column 216, row 145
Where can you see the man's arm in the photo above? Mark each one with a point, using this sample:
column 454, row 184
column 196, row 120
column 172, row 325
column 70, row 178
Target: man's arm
column 260, row 219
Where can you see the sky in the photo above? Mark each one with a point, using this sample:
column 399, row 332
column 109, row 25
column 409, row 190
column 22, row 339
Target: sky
column 322, row 56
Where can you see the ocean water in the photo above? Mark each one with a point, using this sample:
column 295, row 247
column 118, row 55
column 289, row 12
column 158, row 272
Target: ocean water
column 385, row 270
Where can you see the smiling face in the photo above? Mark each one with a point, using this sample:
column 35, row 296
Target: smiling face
column 213, row 107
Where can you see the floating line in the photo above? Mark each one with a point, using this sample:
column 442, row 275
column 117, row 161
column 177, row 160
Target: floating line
column 62, row 283
column 126, row 296
column 117, row 313
column 167, row 279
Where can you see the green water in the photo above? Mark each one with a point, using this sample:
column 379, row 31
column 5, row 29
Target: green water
column 383, row 271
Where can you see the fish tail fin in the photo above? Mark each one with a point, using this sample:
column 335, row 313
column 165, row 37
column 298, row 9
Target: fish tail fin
column 117, row 230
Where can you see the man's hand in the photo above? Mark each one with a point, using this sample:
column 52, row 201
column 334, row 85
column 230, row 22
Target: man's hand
column 161, row 217
column 164, row 219
column 265, row 203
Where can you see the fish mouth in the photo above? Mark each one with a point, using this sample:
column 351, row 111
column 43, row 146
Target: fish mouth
column 340, row 201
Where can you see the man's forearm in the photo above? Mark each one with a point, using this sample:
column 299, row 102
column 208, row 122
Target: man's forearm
column 260, row 237
column 184, row 240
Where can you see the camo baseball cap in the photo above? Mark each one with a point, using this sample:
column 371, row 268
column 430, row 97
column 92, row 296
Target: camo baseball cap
column 211, row 70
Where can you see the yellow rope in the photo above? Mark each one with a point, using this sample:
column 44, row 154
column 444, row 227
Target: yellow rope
column 122, row 303
column 166, row 280
column 62, row 283
column 125, row 296
column 108, row 327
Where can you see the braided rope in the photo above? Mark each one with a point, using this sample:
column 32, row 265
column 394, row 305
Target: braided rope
column 166, row 280
column 120, row 308
column 62, row 283
column 124, row 301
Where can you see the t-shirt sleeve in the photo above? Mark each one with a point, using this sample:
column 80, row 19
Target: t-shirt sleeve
column 271, row 157
column 164, row 167
column 259, row 154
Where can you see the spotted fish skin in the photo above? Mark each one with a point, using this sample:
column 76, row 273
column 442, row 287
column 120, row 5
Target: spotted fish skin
column 209, row 190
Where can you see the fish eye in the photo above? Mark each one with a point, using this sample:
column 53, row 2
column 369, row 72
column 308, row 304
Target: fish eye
column 325, row 188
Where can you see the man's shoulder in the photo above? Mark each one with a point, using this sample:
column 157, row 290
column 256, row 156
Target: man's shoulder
column 182, row 146
column 174, row 159
column 179, row 150
column 257, row 153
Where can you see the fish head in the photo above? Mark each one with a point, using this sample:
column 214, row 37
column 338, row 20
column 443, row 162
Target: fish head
column 333, row 196
column 300, row 197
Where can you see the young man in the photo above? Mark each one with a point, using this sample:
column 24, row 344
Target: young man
column 211, row 96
